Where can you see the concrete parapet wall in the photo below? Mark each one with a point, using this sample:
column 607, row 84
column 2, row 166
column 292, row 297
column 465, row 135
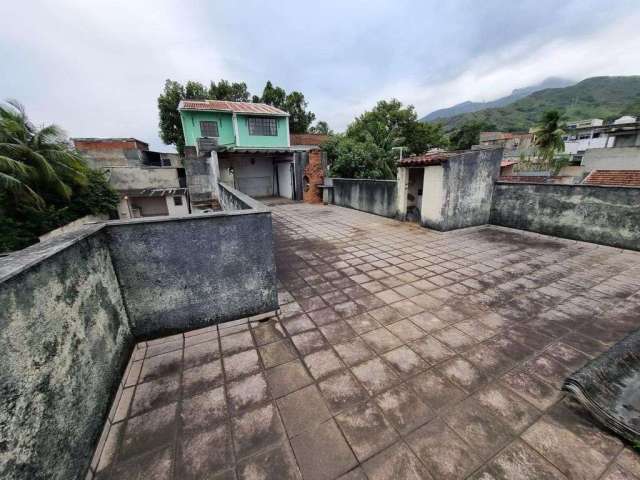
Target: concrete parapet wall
column 72, row 307
column 65, row 338
column 605, row 215
column 373, row 196
column 194, row 271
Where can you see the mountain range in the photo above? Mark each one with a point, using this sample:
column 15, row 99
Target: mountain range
column 595, row 97
column 517, row 94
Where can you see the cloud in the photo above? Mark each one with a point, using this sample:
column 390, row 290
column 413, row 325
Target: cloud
column 97, row 67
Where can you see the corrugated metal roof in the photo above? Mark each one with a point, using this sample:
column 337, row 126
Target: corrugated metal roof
column 226, row 106
column 613, row 178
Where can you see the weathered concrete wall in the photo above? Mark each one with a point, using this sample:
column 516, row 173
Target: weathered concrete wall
column 232, row 199
column 467, row 189
column 605, row 215
column 373, row 196
column 64, row 338
column 187, row 272
column 133, row 178
column 623, row 158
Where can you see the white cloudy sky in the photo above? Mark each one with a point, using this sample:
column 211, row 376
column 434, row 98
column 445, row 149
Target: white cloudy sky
column 97, row 67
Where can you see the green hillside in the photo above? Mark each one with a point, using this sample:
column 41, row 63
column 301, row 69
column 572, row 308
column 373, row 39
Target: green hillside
column 596, row 97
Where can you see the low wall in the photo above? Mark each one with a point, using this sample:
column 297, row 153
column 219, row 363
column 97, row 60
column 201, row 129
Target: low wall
column 373, row 196
column 605, row 215
column 65, row 339
column 468, row 188
column 72, row 307
column 232, row 199
column 180, row 273
column 189, row 272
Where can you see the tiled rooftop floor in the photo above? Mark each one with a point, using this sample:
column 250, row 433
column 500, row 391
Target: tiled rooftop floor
column 400, row 353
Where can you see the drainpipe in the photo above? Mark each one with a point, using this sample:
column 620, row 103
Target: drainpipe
column 234, row 119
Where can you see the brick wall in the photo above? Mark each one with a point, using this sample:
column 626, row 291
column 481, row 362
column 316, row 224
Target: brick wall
column 314, row 174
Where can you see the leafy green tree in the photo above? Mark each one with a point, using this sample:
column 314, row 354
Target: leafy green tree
column 391, row 124
column 351, row 158
column 294, row 104
column 275, row 96
column 299, row 118
column 44, row 182
column 170, row 125
column 234, row 92
column 322, row 128
column 195, row 91
column 468, row 134
column 548, row 137
column 366, row 149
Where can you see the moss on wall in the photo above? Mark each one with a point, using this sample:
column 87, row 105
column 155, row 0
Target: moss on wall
column 64, row 338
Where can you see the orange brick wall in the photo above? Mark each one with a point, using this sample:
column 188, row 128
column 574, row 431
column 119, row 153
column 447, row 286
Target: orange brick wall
column 313, row 171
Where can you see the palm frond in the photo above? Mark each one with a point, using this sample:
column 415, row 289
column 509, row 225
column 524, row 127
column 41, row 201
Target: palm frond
column 9, row 165
column 13, row 185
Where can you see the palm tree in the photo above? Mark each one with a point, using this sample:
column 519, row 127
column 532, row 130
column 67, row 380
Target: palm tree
column 549, row 137
column 36, row 162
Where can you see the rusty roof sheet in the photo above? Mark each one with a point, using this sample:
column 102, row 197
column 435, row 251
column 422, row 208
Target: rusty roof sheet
column 234, row 107
column 620, row 178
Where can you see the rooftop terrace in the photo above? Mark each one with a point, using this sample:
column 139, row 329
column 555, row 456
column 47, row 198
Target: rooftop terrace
column 399, row 353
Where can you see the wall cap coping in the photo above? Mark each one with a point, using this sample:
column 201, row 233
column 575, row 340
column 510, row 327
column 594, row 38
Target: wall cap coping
column 17, row 262
column 570, row 185
column 363, row 179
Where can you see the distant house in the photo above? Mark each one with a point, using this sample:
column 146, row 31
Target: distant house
column 245, row 145
column 149, row 183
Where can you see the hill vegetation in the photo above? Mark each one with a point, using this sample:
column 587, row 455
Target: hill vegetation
column 517, row 94
column 596, row 97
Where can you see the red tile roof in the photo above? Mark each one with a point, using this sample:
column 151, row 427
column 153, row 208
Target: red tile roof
column 226, row 106
column 623, row 178
column 508, row 163
column 427, row 159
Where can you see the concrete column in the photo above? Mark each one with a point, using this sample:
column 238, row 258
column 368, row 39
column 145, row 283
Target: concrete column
column 402, row 191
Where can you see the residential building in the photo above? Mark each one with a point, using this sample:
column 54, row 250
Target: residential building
column 514, row 144
column 149, row 183
column 245, row 145
column 582, row 135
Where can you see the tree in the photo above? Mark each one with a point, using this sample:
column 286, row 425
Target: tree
column 548, row 138
column 299, row 118
column 234, row 92
column 294, row 104
column 321, row 128
column 170, row 124
column 391, row 124
column 468, row 134
column 36, row 163
column 274, row 96
column 366, row 149
column 351, row 158
column 44, row 182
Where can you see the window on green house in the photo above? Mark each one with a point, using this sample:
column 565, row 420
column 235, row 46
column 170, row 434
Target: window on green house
column 262, row 126
column 209, row 129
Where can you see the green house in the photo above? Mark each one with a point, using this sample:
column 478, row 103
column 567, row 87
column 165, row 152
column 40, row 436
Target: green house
column 227, row 126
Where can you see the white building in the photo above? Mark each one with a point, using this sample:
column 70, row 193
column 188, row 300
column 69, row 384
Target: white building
column 582, row 135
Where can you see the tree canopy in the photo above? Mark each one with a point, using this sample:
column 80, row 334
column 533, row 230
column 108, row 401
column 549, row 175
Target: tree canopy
column 371, row 138
column 322, row 128
column 468, row 134
column 44, row 182
column 171, row 133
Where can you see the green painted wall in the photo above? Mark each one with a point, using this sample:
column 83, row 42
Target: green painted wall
column 191, row 126
column 191, row 129
column 246, row 140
